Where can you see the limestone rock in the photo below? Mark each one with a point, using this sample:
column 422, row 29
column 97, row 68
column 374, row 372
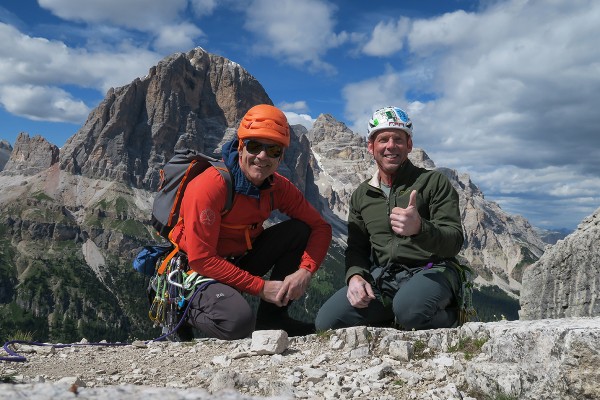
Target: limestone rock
column 5, row 150
column 31, row 156
column 188, row 100
column 565, row 281
column 541, row 359
column 269, row 342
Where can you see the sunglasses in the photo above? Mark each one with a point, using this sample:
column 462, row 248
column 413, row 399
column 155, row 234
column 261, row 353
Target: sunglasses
column 254, row 147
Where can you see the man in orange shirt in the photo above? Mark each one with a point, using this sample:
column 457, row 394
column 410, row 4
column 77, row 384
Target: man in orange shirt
column 235, row 249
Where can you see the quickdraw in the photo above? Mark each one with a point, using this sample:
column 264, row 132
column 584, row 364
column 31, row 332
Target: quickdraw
column 174, row 285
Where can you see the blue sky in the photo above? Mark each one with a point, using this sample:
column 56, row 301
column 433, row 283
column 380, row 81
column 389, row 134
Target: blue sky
column 506, row 91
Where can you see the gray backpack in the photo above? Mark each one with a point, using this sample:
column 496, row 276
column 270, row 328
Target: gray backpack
column 174, row 177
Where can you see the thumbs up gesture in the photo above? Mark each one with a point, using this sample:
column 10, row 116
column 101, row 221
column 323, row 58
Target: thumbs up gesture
column 406, row 221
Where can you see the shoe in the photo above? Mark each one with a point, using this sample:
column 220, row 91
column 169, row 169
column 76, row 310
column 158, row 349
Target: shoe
column 293, row 327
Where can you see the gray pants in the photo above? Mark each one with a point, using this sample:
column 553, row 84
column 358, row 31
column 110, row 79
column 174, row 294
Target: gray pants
column 419, row 299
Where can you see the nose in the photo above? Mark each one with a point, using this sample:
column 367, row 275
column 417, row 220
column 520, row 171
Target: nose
column 262, row 154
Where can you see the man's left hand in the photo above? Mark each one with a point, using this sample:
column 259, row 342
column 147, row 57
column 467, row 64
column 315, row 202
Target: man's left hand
column 294, row 286
column 406, row 221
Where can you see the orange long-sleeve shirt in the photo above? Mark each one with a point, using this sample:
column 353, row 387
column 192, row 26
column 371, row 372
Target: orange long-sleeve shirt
column 202, row 233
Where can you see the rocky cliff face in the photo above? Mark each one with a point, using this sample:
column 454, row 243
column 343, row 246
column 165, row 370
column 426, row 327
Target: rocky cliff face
column 190, row 100
column 31, row 155
column 565, row 281
column 5, row 150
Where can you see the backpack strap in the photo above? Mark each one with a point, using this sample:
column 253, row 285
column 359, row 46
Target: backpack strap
column 246, row 229
column 224, row 171
column 163, row 265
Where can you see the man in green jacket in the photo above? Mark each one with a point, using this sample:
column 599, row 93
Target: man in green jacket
column 404, row 231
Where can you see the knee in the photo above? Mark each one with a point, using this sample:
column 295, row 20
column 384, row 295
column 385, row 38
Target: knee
column 410, row 320
column 242, row 326
column 419, row 316
column 411, row 315
column 322, row 322
column 334, row 314
column 301, row 228
column 237, row 326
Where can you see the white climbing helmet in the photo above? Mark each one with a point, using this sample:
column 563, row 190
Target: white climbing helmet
column 390, row 117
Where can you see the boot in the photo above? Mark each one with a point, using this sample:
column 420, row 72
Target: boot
column 271, row 317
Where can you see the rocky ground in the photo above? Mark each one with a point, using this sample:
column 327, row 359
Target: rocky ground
column 522, row 359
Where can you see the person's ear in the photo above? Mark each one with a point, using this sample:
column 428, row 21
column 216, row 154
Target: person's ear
column 370, row 146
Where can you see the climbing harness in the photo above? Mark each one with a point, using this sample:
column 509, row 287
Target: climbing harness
column 172, row 289
column 389, row 278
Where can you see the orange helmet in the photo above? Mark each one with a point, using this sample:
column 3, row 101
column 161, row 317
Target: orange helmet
column 266, row 122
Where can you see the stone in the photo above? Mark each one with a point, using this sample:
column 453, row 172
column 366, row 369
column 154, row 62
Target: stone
column 269, row 342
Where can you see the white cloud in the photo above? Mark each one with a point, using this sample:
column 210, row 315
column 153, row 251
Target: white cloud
column 362, row 98
column 164, row 20
column 39, row 67
column 555, row 196
column 298, row 33
column 179, row 37
column 203, row 7
column 387, row 38
column 299, row 119
column 299, row 106
column 446, row 30
column 144, row 15
column 523, row 85
column 296, row 113
column 42, row 103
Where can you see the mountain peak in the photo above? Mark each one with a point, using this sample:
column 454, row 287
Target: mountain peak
column 188, row 100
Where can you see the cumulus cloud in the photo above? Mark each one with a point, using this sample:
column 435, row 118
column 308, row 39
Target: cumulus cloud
column 387, row 37
column 297, row 113
column 297, row 33
column 299, row 106
column 203, row 7
column 39, row 67
column 172, row 38
column 299, row 119
column 362, row 98
column 41, row 103
column 164, row 20
column 144, row 15
column 525, row 84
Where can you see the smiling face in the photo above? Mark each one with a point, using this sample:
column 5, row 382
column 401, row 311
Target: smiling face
column 258, row 167
column 390, row 148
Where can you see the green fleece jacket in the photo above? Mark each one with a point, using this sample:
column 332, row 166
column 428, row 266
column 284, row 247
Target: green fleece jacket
column 371, row 241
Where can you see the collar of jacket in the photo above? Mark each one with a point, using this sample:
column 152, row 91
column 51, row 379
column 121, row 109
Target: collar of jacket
column 241, row 184
column 374, row 181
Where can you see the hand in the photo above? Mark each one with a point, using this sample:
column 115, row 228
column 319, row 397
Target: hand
column 294, row 286
column 269, row 292
column 360, row 293
column 406, row 221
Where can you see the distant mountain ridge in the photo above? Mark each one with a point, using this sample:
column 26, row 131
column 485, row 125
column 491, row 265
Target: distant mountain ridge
column 86, row 208
column 551, row 236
